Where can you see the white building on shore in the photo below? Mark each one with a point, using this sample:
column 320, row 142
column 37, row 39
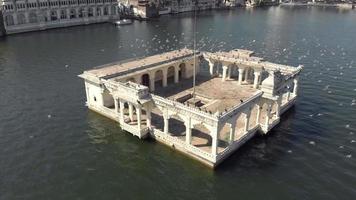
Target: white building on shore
column 31, row 15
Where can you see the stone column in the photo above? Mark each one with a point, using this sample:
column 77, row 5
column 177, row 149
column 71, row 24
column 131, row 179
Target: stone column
column 164, row 78
column 214, row 142
column 241, row 71
column 188, row 132
column 211, row 68
column 58, row 13
column 122, row 107
column 152, row 82
column 176, row 74
column 259, row 108
column 166, row 124
column 256, row 79
column 131, row 111
column 225, row 67
column 27, row 18
column 15, row 18
column 116, row 102
column 148, row 118
column 278, row 107
column 295, row 89
column 247, row 120
column 138, row 115
column 232, row 133
column 288, row 94
column 68, row 13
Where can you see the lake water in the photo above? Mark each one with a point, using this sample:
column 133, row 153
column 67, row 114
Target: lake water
column 53, row 147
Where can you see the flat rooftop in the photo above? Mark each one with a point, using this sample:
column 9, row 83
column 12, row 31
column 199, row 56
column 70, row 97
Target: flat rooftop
column 212, row 94
column 129, row 66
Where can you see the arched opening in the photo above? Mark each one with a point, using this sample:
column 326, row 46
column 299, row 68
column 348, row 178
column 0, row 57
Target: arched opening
column 108, row 100
column 54, row 15
column 224, row 136
column 63, row 14
column 106, row 10
column 182, row 71
column 176, row 126
column 157, row 120
column 145, row 80
column 113, row 10
column 21, row 19
column 32, row 17
column 98, row 11
column 249, row 75
column 170, row 75
column 72, row 13
column 201, row 137
column 9, row 20
column 253, row 116
column 158, row 78
column 239, row 126
column 90, row 12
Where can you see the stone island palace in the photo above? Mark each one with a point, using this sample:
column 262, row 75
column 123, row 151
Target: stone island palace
column 205, row 114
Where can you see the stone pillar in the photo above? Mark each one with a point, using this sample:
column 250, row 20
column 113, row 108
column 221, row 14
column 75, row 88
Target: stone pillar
column 176, row 74
column 148, row 118
column 138, row 115
column 278, row 107
column 58, row 13
column 214, row 142
column 15, row 18
column 224, row 72
column 259, row 108
column 211, row 68
column 116, row 102
column 122, row 107
column 27, row 18
column 152, row 82
column 166, row 124
column 241, row 71
column 247, row 121
column 131, row 111
column 68, row 13
column 232, row 133
column 295, row 89
column 188, row 132
column 288, row 94
column 256, row 79
column 164, row 78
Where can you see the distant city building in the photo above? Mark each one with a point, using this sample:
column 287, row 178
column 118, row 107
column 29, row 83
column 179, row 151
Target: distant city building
column 30, row 15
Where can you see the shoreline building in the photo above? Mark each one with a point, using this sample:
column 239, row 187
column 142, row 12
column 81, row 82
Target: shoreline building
column 239, row 96
column 32, row 15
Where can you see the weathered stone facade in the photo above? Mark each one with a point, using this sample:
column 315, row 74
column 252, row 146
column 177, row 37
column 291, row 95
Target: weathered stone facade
column 31, row 15
column 154, row 96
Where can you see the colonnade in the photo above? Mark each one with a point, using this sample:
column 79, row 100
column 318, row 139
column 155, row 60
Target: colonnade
column 243, row 72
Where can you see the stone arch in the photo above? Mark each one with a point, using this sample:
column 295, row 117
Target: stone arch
column 90, row 12
column 63, row 14
column 224, row 135
column 170, row 74
column 106, row 10
column 73, row 13
column 32, row 16
column 145, row 79
column 21, row 19
column 98, row 11
column 239, row 122
column 9, row 20
column 176, row 126
column 108, row 99
column 159, row 78
column 157, row 120
column 113, row 10
column 249, row 75
column 182, row 71
column 201, row 137
column 53, row 15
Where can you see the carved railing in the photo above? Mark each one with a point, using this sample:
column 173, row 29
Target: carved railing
column 193, row 112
